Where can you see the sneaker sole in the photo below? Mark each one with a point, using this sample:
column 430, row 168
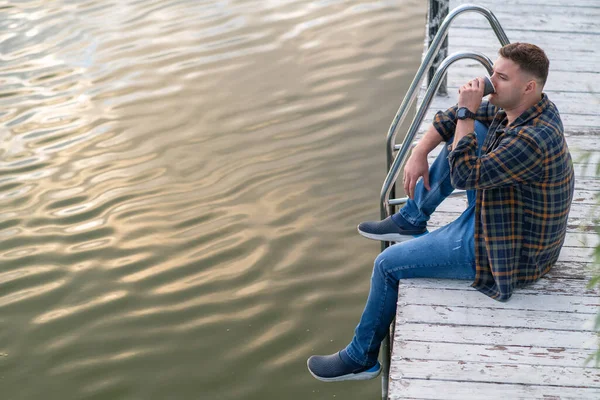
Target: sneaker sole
column 391, row 237
column 361, row 376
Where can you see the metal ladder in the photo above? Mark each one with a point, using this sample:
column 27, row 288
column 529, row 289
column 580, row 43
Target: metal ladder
column 396, row 162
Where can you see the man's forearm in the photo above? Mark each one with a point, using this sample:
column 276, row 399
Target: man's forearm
column 430, row 140
column 463, row 128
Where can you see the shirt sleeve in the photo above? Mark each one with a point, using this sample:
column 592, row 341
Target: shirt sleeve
column 445, row 121
column 517, row 160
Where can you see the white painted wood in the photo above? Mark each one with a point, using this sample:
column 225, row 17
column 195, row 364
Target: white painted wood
column 471, row 298
column 558, row 285
column 492, row 372
column 451, row 341
column 578, row 209
column 582, row 205
column 559, row 84
column 531, row 21
column 578, row 146
column 580, row 47
column 575, row 255
column 490, row 335
column 567, row 103
column 587, row 197
column 557, row 5
column 573, row 123
column 481, row 353
column 453, row 390
column 574, row 238
column 534, row 319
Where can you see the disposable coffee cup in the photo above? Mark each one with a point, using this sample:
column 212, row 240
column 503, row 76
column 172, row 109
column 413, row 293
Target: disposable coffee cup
column 488, row 86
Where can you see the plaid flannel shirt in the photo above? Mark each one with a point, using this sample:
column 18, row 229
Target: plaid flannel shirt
column 524, row 185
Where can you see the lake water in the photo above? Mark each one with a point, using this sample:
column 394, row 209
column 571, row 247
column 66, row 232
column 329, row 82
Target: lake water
column 180, row 184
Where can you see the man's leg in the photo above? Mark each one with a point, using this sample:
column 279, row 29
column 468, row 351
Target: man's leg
column 411, row 220
column 445, row 253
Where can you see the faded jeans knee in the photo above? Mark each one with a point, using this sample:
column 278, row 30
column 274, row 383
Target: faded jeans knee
column 380, row 270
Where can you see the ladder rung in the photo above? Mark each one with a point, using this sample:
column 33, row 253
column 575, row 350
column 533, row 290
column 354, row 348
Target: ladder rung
column 402, row 200
column 398, row 146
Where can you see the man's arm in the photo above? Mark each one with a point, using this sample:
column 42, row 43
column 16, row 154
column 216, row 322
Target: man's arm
column 463, row 127
column 430, row 140
column 445, row 126
column 517, row 160
column 446, row 122
column 417, row 165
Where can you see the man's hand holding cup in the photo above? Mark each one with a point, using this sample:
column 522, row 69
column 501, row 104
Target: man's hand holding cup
column 471, row 93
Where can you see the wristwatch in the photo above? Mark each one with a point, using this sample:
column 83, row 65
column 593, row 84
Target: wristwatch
column 464, row 113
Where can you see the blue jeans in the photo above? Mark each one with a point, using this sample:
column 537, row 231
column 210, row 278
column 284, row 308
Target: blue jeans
column 447, row 253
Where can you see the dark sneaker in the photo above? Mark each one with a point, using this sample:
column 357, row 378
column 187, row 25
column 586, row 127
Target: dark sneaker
column 387, row 230
column 333, row 369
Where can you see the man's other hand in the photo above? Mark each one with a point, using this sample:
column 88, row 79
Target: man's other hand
column 416, row 167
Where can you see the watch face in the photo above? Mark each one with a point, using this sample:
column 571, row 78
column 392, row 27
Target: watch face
column 462, row 113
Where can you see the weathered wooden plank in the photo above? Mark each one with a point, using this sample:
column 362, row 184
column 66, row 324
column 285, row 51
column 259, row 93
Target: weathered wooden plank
column 492, row 372
column 570, row 269
column 557, row 5
column 553, row 43
column 520, row 300
column 578, row 208
column 552, row 286
column 490, row 335
column 482, row 353
column 587, row 197
column 574, row 237
column 580, row 216
column 580, row 169
column 578, row 145
column 573, row 263
column 557, row 63
column 533, row 20
column 527, row 319
column 463, row 30
column 574, row 256
column 573, row 123
column 451, row 390
column 567, row 103
column 558, row 81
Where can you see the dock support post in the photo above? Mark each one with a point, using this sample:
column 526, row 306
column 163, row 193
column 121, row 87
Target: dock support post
column 438, row 10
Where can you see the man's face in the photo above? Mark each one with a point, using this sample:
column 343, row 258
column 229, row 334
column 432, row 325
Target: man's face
column 510, row 83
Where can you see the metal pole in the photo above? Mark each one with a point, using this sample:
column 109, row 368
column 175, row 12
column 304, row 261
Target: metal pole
column 414, row 127
column 411, row 94
column 438, row 11
column 393, row 163
column 398, row 163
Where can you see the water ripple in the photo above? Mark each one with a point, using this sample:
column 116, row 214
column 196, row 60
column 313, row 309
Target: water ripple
column 179, row 183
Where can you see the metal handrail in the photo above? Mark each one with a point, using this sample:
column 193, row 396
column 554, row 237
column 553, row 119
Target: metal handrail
column 412, row 131
column 395, row 163
column 434, row 48
column 398, row 163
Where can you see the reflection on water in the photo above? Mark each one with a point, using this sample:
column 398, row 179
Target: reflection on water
column 179, row 187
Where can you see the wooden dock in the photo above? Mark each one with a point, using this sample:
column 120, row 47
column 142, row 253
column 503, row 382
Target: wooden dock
column 451, row 341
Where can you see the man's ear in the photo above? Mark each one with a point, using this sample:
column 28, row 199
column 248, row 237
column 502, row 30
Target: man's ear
column 531, row 86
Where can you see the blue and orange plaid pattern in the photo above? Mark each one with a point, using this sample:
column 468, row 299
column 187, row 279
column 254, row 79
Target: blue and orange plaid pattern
column 524, row 184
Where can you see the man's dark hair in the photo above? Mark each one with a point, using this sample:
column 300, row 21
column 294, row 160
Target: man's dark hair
column 529, row 57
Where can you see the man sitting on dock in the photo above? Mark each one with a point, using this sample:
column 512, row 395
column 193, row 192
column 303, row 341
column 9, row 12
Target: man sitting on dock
column 511, row 156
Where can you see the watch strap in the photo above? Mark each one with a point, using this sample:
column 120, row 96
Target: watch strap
column 466, row 113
